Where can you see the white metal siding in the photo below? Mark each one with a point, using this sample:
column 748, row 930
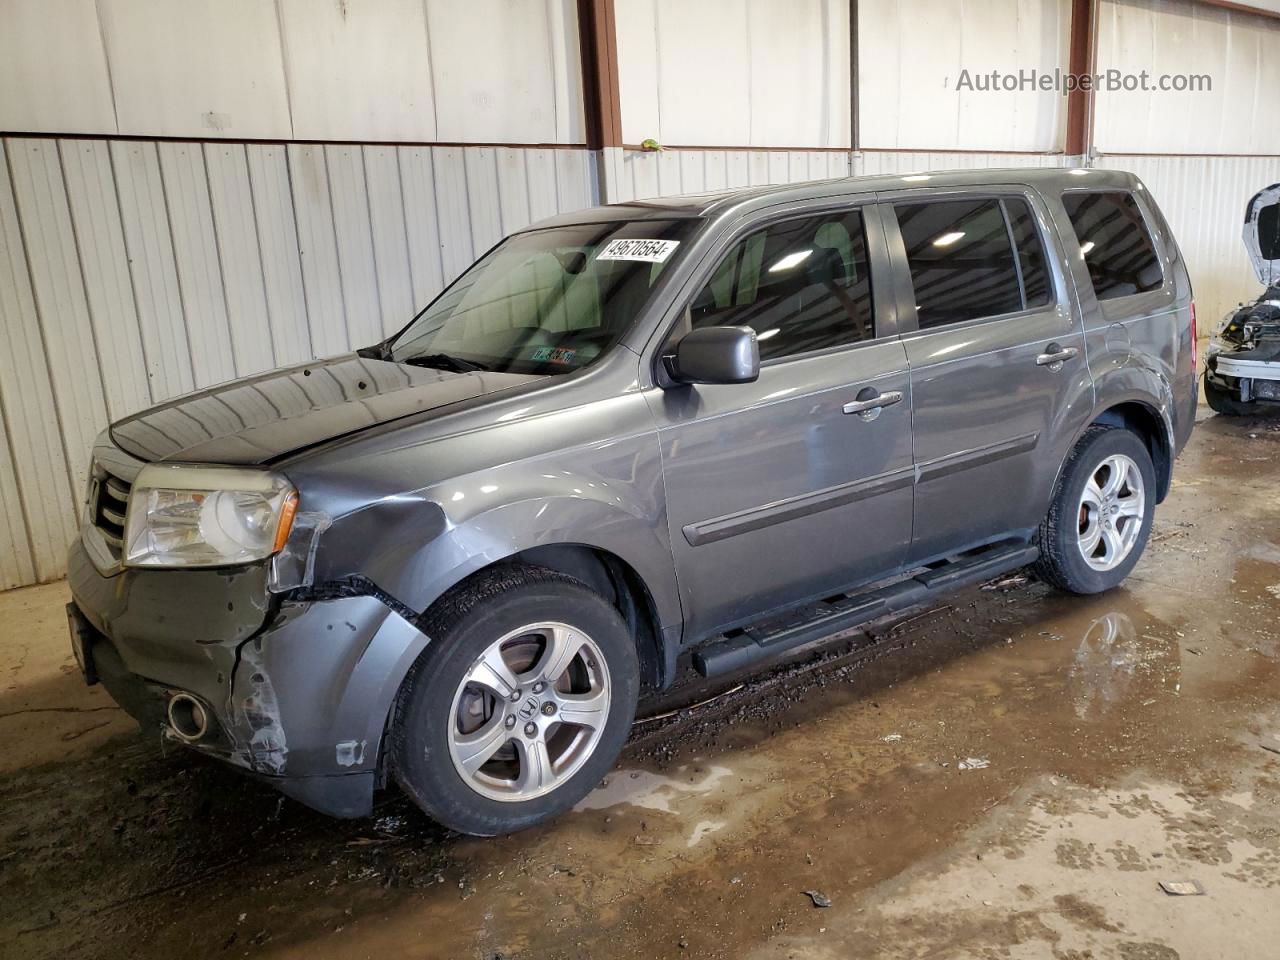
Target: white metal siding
column 134, row 271
column 33, row 465
column 391, row 93
column 639, row 175
column 53, row 68
column 872, row 163
column 196, row 69
column 502, row 71
column 910, row 57
column 734, row 72
column 506, row 71
column 1238, row 51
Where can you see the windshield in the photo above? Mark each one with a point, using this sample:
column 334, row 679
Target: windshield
column 548, row 301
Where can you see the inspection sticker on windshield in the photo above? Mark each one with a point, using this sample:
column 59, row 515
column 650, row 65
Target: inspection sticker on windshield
column 649, row 251
column 553, row 355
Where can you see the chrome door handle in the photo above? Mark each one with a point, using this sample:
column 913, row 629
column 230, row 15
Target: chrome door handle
column 869, row 408
column 1054, row 355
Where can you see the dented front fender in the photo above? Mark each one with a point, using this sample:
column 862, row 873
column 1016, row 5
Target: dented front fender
column 310, row 695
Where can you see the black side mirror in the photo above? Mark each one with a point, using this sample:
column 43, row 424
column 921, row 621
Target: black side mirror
column 716, row 355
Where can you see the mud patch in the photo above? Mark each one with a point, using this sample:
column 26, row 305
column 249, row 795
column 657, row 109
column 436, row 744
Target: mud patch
column 1123, row 733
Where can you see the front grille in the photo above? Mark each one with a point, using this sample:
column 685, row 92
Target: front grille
column 109, row 511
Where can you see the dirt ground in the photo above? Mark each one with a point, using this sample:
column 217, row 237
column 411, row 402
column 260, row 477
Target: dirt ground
column 1011, row 774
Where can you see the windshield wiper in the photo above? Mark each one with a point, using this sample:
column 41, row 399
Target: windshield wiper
column 444, row 361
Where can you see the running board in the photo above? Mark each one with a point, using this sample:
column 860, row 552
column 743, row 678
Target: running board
column 769, row 639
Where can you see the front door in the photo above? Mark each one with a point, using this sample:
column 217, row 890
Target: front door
column 799, row 484
column 996, row 359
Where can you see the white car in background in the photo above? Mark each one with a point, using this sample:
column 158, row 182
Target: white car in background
column 1242, row 363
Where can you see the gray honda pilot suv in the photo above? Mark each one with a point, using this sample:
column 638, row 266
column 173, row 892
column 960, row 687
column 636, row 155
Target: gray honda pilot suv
column 723, row 425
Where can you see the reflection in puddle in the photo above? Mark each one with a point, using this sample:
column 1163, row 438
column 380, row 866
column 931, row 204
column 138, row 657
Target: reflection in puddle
column 1265, row 551
column 1109, row 658
column 651, row 791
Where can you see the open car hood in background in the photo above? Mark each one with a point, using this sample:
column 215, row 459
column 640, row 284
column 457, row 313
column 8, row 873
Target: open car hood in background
column 1262, row 234
column 265, row 416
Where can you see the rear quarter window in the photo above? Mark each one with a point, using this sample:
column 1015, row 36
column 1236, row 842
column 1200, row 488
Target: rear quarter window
column 1115, row 243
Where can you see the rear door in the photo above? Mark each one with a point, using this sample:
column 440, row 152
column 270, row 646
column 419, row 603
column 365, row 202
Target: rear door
column 800, row 483
column 996, row 357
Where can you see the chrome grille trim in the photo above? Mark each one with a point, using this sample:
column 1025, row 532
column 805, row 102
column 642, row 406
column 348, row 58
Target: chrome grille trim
column 111, row 509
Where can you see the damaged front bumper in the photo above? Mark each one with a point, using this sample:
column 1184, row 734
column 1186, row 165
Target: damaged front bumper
column 298, row 693
column 1247, row 375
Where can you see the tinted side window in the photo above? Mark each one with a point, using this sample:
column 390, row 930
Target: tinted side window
column 801, row 285
column 961, row 260
column 1115, row 243
column 1026, row 238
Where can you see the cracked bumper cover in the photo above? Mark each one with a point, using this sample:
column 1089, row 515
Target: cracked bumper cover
column 300, row 695
column 1247, row 375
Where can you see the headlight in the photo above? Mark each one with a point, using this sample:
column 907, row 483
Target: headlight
column 188, row 516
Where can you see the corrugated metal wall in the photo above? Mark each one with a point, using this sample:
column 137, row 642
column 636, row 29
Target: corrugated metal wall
column 911, row 54
column 1237, row 51
column 738, row 73
column 637, row 175
column 388, row 70
column 133, row 271
column 871, row 163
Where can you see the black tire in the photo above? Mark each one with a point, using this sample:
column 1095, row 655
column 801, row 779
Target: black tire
column 1220, row 401
column 462, row 625
column 1061, row 562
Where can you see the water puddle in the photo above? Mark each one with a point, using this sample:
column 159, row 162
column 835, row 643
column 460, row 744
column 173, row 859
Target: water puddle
column 1114, row 663
column 652, row 791
column 702, row 829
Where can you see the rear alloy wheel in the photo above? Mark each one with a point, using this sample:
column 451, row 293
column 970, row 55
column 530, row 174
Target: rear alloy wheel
column 1112, row 510
column 520, row 703
column 1100, row 517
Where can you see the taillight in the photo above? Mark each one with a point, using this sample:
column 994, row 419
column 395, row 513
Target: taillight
column 1193, row 337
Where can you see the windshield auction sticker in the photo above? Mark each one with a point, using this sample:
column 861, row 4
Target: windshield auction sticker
column 648, row 251
column 553, row 355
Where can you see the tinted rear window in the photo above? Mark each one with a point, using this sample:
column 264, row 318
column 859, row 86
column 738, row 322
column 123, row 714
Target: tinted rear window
column 961, row 260
column 1115, row 243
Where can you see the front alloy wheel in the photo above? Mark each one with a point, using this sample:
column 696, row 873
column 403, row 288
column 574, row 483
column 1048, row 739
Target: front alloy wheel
column 520, row 702
column 529, row 712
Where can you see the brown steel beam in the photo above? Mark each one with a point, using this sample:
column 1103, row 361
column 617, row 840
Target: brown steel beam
column 1080, row 62
column 598, row 36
